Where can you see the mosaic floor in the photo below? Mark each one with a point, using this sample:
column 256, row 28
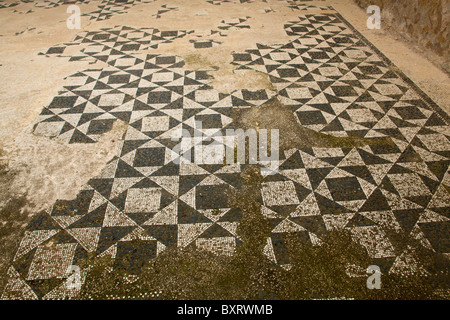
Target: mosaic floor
column 332, row 79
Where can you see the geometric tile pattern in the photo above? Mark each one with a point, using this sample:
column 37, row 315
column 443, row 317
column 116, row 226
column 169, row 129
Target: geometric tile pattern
column 48, row 4
column 109, row 44
column 164, row 9
column 235, row 23
column 337, row 84
column 305, row 7
column 332, row 79
column 132, row 88
column 107, row 8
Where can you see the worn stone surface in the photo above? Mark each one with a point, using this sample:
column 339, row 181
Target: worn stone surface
column 424, row 21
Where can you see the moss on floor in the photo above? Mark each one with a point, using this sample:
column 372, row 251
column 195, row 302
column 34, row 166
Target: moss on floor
column 14, row 216
column 317, row 272
column 274, row 115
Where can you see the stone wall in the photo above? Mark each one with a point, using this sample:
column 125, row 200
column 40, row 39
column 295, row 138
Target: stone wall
column 426, row 22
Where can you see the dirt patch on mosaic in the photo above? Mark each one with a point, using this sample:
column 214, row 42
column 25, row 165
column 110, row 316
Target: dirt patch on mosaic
column 224, row 77
column 275, row 115
column 317, row 272
column 37, row 172
column 50, row 169
column 13, row 218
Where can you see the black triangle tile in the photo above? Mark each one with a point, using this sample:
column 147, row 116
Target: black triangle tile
column 407, row 218
column 215, row 231
column 130, row 145
column 317, row 175
column 79, row 137
column 444, row 211
column 186, row 214
column 328, row 206
column 67, row 127
column 170, row 169
column 421, row 200
column 145, row 183
column 301, row 191
column 63, row 237
column 232, row 215
column 359, row 220
column 434, row 120
column 425, row 130
column 438, row 234
column 445, row 154
column 361, row 172
column 293, row 162
column 79, row 206
column 334, row 161
column 376, row 202
column 42, row 221
column 438, row 168
column 322, row 106
column 22, row 264
column 430, row 183
column 124, row 170
column 409, row 155
column 119, row 201
column 233, row 179
column 398, row 169
column 92, row 219
column 416, row 142
column 314, row 224
column 186, row 183
column 102, row 186
column 385, row 263
column 166, row 234
column 43, row 286
column 334, row 125
column 387, row 185
column 125, row 116
column 111, row 235
column 284, row 210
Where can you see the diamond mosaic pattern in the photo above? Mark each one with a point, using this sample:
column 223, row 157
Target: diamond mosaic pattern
column 105, row 10
column 328, row 75
column 48, row 4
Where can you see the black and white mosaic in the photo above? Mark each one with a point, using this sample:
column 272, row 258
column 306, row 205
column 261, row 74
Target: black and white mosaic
column 48, row 4
column 105, row 9
column 108, row 8
column 331, row 78
column 164, row 9
column 234, row 24
column 305, row 7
